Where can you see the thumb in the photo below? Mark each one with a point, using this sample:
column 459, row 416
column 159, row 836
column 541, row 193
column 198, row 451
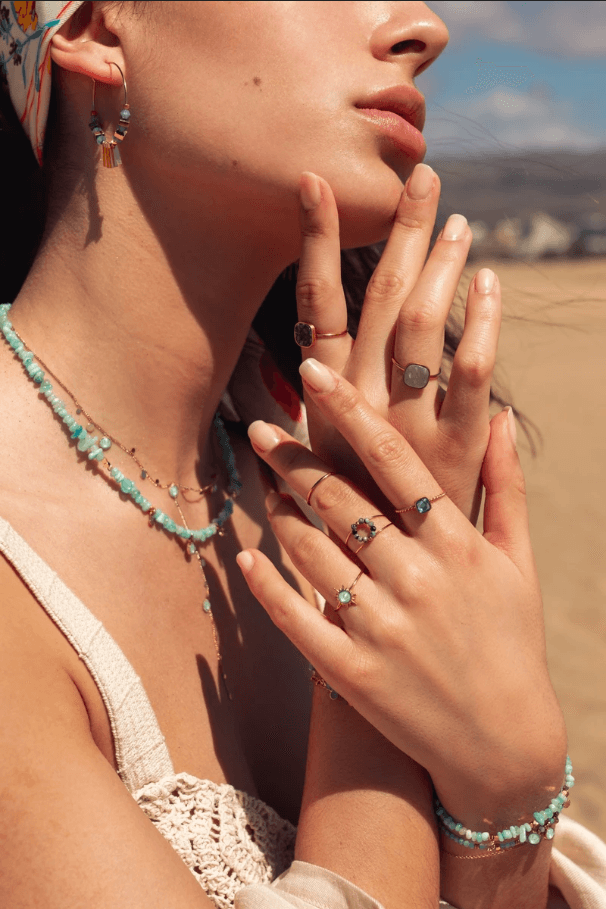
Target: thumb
column 505, row 508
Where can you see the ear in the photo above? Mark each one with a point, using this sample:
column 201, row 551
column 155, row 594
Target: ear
column 87, row 43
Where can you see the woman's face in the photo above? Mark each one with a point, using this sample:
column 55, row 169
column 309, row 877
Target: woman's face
column 238, row 98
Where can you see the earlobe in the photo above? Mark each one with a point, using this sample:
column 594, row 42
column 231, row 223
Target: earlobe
column 88, row 47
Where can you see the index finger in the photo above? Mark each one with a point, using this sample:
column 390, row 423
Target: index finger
column 320, row 298
column 389, row 458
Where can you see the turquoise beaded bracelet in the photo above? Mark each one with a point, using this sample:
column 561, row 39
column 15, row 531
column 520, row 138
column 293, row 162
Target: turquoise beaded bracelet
column 542, row 827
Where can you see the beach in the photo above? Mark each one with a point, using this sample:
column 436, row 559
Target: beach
column 552, row 360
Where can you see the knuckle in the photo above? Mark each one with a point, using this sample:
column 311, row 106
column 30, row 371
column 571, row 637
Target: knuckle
column 309, row 549
column 417, row 319
column 386, row 450
column 333, row 494
column 291, row 457
column 310, row 290
column 410, row 222
column 315, row 229
column 476, row 368
column 385, row 284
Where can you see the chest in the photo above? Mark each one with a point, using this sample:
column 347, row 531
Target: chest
column 149, row 595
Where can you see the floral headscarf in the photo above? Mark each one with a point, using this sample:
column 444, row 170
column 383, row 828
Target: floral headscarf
column 26, row 29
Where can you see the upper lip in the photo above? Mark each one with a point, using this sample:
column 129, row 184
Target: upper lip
column 403, row 100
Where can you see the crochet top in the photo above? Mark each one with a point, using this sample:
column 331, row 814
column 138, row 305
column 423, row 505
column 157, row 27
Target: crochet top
column 228, row 839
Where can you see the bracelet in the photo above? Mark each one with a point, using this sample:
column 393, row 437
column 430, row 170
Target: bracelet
column 317, row 679
column 542, row 827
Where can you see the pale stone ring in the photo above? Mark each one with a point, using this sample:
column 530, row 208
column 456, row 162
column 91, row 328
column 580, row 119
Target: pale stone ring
column 415, row 375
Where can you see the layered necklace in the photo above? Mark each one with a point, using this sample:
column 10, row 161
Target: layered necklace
column 90, row 439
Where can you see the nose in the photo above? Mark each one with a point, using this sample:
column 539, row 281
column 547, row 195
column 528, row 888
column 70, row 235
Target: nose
column 411, row 33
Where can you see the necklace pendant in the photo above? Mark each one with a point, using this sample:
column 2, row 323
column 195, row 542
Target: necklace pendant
column 173, row 491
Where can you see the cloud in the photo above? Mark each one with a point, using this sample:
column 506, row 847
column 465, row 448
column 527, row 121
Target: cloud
column 505, row 120
column 494, row 20
column 572, row 29
column 562, row 29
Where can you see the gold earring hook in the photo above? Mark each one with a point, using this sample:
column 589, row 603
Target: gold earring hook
column 110, row 64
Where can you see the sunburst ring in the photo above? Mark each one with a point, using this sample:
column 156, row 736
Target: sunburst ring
column 344, row 595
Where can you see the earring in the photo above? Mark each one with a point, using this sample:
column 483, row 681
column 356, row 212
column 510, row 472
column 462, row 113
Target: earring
column 111, row 155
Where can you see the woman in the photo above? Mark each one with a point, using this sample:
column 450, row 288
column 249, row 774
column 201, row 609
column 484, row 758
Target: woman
column 150, row 656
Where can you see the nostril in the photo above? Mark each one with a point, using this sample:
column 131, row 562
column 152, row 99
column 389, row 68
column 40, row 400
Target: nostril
column 412, row 46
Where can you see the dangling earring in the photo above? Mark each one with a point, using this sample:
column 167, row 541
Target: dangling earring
column 111, row 155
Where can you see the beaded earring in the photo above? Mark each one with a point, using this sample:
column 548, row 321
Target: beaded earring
column 111, row 155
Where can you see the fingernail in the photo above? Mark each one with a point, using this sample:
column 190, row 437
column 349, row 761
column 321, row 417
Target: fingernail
column 272, row 500
column 511, row 422
column 245, row 561
column 263, row 436
column 421, row 182
column 454, row 227
column 310, row 192
column 316, row 375
column 485, row 279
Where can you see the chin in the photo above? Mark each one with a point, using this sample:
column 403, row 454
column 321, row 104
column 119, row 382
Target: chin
column 367, row 217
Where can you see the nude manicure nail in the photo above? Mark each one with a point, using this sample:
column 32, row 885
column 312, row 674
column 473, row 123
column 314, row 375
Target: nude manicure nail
column 272, row 500
column 454, row 227
column 316, row 375
column 245, row 561
column 511, row 422
column 262, row 435
column 310, row 192
column 485, row 279
column 421, row 182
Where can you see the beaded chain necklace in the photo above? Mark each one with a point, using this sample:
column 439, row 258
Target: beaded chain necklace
column 97, row 447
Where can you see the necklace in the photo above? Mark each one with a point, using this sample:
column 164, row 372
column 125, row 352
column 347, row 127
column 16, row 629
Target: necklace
column 97, row 448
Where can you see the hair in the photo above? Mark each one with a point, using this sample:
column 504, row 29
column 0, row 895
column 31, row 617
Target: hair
column 25, row 202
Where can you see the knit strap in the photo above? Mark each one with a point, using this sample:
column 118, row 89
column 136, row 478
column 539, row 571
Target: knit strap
column 141, row 753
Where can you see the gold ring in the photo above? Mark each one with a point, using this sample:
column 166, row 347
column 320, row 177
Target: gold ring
column 317, row 483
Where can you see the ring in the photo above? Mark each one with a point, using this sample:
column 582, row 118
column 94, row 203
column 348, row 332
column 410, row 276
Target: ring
column 345, row 597
column 415, row 375
column 371, row 531
column 317, row 483
column 422, row 505
column 306, row 334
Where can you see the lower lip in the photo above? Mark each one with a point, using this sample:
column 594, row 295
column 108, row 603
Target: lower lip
column 403, row 133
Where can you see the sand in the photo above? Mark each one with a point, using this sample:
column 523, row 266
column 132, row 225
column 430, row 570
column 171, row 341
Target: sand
column 552, row 356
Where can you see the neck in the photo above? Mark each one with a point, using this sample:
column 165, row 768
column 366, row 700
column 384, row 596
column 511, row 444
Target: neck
column 144, row 320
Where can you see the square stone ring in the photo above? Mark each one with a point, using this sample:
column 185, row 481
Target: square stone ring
column 415, row 375
column 306, row 334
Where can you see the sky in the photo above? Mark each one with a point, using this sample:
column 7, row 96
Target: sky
column 518, row 76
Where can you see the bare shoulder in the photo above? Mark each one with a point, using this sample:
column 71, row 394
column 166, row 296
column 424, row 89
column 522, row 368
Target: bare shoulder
column 77, row 837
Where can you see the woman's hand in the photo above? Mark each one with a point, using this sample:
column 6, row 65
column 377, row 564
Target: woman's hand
column 442, row 647
column 404, row 315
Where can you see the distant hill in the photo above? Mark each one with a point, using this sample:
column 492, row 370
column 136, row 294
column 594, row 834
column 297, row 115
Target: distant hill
column 567, row 186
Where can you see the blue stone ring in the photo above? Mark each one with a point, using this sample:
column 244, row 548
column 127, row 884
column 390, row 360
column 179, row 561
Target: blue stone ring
column 422, row 506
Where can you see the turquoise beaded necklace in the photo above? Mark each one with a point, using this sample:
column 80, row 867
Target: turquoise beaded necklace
column 96, row 448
